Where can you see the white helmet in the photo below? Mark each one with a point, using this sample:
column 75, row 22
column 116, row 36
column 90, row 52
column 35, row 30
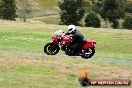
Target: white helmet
column 71, row 28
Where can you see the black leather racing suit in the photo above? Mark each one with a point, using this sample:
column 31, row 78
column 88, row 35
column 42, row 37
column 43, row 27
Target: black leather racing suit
column 77, row 40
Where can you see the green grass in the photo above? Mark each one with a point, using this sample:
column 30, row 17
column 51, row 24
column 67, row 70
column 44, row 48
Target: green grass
column 50, row 20
column 32, row 37
column 112, row 43
column 48, row 3
column 27, row 71
column 35, row 70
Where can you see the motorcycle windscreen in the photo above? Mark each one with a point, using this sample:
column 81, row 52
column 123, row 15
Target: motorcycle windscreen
column 89, row 44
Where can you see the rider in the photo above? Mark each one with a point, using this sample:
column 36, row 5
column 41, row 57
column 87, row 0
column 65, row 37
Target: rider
column 77, row 37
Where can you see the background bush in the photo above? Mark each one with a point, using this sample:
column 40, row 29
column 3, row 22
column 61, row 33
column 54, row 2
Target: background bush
column 127, row 22
column 8, row 9
column 92, row 20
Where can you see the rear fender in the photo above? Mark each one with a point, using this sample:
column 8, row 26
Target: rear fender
column 89, row 44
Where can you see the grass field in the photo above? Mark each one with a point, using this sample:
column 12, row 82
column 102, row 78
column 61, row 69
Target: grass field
column 27, row 71
column 52, row 19
column 49, row 20
column 48, row 3
column 32, row 37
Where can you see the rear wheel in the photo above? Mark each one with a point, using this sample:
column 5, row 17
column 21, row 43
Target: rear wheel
column 88, row 53
column 51, row 49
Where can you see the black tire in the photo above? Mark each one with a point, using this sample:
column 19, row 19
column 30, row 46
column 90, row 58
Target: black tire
column 90, row 55
column 51, row 49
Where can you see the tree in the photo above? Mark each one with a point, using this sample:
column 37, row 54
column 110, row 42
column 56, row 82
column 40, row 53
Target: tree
column 92, row 20
column 112, row 10
column 128, row 7
column 0, row 8
column 128, row 21
column 96, row 5
column 24, row 9
column 72, row 11
column 87, row 6
column 8, row 9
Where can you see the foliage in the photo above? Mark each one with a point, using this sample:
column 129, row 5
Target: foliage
column 115, row 24
column 8, row 9
column 92, row 20
column 72, row 11
column 112, row 10
column 96, row 5
column 128, row 22
column 128, row 7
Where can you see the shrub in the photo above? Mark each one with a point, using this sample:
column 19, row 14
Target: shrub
column 8, row 9
column 92, row 20
column 115, row 24
column 128, row 22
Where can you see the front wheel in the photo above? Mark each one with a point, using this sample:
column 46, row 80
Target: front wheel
column 88, row 53
column 51, row 49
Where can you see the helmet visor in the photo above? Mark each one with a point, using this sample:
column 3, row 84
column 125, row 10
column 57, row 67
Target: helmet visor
column 70, row 30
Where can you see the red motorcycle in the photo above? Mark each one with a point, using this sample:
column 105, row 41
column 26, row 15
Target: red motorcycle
column 86, row 50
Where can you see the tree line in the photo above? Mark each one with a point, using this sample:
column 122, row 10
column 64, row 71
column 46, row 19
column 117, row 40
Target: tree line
column 73, row 12
column 77, row 12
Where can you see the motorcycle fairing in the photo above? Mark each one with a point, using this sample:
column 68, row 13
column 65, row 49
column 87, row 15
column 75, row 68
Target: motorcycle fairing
column 66, row 39
column 89, row 44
